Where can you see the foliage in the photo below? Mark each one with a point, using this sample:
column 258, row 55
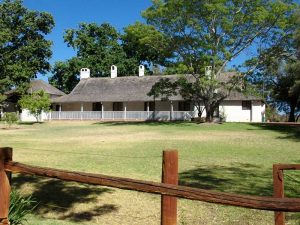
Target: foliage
column 10, row 118
column 2, row 99
column 98, row 47
column 24, row 51
column 217, row 30
column 146, row 44
column 36, row 103
column 213, row 33
column 278, row 72
column 65, row 74
column 198, row 91
column 164, row 89
column 272, row 114
column 20, row 207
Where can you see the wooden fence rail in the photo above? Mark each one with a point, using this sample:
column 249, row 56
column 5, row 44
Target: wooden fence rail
column 254, row 202
column 278, row 184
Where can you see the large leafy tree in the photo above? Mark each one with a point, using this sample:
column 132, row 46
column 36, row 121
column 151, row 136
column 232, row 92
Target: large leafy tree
column 24, row 50
column 65, row 74
column 97, row 47
column 213, row 33
column 145, row 43
column 277, row 73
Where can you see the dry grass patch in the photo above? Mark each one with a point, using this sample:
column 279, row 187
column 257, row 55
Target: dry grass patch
column 234, row 158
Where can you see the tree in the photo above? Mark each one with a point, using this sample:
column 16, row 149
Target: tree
column 10, row 118
column 197, row 91
column 65, row 74
column 98, row 47
column 2, row 99
column 146, row 44
column 213, row 33
column 24, row 51
column 278, row 72
column 36, row 103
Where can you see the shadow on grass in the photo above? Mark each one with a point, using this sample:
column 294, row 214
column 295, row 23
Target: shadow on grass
column 59, row 197
column 10, row 128
column 143, row 123
column 239, row 178
column 289, row 132
column 29, row 123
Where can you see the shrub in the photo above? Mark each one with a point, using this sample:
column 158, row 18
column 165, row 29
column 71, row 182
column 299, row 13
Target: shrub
column 10, row 118
column 36, row 103
column 20, row 207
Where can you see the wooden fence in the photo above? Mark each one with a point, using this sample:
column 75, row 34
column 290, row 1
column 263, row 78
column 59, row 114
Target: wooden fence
column 168, row 189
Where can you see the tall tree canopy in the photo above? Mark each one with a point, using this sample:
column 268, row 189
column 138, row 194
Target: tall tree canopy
column 277, row 74
column 146, row 44
column 213, row 33
column 24, row 50
column 98, row 47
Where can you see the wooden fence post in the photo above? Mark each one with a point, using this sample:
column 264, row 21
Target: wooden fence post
column 278, row 192
column 169, row 176
column 5, row 155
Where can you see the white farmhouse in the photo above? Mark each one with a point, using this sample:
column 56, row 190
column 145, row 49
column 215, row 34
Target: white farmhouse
column 125, row 98
column 11, row 104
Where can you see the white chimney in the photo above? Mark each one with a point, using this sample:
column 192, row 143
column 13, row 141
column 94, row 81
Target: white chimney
column 141, row 71
column 113, row 71
column 84, row 73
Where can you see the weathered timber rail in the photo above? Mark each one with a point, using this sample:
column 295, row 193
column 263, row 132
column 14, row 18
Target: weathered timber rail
column 278, row 203
column 248, row 201
column 278, row 184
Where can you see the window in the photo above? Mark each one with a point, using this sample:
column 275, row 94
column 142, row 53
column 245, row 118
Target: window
column 97, row 106
column 184, row 106
column 56, row 107
column 151, row 106
column 246, row 105
column 118, row 106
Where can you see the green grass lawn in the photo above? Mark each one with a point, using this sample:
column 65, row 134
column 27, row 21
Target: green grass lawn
column 231, row 157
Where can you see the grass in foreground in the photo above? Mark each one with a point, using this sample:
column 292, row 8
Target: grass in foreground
column 230, row 157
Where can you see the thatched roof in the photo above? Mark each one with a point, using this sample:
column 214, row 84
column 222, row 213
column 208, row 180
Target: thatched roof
column 124, row 89
column 37, row 85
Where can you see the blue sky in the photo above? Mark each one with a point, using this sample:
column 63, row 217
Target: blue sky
column 69, row 13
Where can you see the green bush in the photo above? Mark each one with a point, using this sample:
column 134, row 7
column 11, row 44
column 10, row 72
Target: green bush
column 20, row 207
column 10, row 118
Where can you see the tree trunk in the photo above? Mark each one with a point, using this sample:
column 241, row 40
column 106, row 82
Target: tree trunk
column 292, row 113
column 199, row 114
column 209, row 113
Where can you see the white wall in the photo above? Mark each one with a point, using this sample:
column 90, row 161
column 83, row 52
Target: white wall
column 234, row 113
column 25, row 116
column 258, row 111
